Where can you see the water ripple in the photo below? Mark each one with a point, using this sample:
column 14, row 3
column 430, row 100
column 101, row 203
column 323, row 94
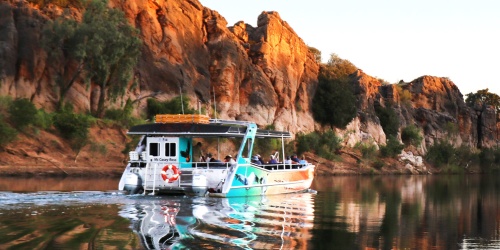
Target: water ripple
column 12, row 200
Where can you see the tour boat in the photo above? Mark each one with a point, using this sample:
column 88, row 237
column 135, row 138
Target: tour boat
column 163, row 161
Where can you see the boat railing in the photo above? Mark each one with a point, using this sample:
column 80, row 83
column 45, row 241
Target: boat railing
column 280, row 166
column 205, row 165
column 225, row 165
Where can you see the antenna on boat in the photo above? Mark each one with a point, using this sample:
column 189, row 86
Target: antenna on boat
column 199, row 107
column 182, row 103
column 283, row 149
column 180, row 91
column 215, row 105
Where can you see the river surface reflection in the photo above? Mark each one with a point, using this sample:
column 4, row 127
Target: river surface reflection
column 349, row 212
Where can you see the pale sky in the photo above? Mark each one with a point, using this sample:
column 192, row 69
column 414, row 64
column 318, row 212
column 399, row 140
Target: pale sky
column 393, row 39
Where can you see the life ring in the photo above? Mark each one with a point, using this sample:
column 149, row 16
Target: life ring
column 173, row 177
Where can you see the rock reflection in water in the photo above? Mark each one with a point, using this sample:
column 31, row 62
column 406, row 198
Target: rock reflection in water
column 348, row 212
column 272, row 222
column 52, row 220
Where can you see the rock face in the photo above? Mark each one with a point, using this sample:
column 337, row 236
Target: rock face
column 265, row 74
column 433, row 104
column 268, row 75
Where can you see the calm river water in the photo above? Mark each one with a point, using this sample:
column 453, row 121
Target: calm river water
column 376, row 212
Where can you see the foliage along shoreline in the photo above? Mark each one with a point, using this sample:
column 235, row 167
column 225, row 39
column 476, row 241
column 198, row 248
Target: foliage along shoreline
column 24, row 119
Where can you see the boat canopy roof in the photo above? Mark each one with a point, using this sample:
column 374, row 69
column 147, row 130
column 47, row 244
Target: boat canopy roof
column 202, row 130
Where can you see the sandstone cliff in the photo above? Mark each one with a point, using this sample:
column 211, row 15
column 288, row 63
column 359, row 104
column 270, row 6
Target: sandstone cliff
column 433, row 104
column 265, row 74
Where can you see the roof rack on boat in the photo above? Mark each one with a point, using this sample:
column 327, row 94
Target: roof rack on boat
column 262, row 133
column 231, row 122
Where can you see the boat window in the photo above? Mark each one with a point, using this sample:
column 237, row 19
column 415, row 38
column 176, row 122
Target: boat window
column 170, row 149
column 154, row 149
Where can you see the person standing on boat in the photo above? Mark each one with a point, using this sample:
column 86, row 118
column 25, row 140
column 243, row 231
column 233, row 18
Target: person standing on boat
column 197, row 152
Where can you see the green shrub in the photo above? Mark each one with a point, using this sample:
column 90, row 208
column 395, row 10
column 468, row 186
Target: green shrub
column 74, row 127
column 174, row 106
column 7, row 133
column 389, row 120
column 307, row 142
column 453, row 169
column 378, row 164
column 392, row 148
column 444, row 154
column 115, row 114
column 5, row 102
column 22, row 113
column 43, row 119
column 323, row 144
column 451, row 129
column 123, row 116
column 441, row 153
column 489, row 158
column 404, row 95
column 465, row 156
column 336, row 68
column 411, row 136
column 368, row 151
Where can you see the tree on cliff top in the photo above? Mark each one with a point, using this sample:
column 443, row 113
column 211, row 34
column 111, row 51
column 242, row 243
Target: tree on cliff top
column 337, row 68
column 334, row 102
column 103, row 49
column 316, row 53
column 479, row 101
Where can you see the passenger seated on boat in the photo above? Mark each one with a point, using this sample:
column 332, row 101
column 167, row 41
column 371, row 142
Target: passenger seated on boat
column 260, row 159
column 229, row 159
column 255, row 160
column 216, row 163
column 303, row 160
column 214, row 160
column 288, row 160
column 272, row 160
column 208, row 158
column 294, row 159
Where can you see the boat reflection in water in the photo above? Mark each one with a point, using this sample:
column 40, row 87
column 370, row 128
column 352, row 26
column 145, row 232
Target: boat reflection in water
column 279, row 221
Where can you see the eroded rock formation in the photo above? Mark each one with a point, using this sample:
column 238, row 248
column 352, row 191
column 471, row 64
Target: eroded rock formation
column 265, row 74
